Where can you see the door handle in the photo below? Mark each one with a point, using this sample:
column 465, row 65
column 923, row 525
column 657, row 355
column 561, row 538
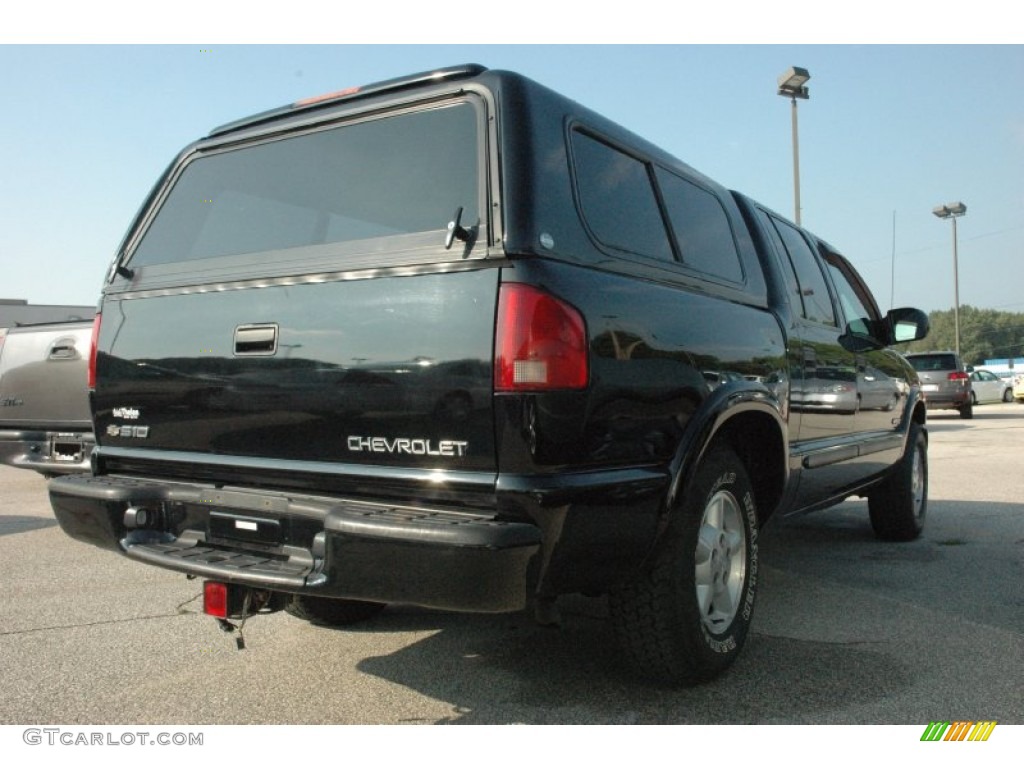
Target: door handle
column 63, row 349
column 258, row 339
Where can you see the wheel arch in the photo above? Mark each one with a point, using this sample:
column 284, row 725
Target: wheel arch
column 760, row 444
column 752, row 426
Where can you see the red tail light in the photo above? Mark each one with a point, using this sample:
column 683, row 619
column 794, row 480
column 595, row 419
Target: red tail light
column 215, row 599
column 92, row 351
column 958, row 376
column 540, row 344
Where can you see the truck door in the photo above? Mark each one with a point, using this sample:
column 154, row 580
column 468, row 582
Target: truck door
column 825, row 385
column 882, row 385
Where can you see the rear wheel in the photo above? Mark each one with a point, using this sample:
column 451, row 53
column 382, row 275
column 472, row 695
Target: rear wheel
column 332, row 612
column 967, row 411
column 1007, row 395
column 686, row 619
column 897, row 506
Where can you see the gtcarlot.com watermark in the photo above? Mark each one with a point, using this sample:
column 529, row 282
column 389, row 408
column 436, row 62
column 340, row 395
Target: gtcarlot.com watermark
column 67, row 737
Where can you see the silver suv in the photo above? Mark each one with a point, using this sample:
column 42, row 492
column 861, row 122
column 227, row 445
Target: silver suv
column 945, row 382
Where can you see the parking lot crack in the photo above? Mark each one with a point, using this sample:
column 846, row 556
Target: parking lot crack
column 107, row 622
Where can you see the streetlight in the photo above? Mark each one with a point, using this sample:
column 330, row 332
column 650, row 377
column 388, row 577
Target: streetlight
column 954, row 211
column 792, row 84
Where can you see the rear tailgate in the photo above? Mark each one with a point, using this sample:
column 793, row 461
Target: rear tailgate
column 387, row 371
column 43, row 377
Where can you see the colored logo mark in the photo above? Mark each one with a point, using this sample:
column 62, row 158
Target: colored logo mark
column 959, row 730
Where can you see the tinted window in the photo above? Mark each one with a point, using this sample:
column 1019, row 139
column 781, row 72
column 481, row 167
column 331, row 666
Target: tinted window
column 937, row 362
column 786, row 267
column 402, row 174
column 857, row 315
column 701, row 227
column 617, row 199
column 814, row 295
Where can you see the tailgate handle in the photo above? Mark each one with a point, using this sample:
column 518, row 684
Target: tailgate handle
column 258, row 339
column 63, row 349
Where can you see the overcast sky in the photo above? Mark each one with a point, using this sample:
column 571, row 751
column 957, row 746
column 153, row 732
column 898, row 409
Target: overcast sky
column 889, row 132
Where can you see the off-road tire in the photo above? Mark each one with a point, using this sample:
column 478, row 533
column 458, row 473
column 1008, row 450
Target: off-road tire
column 898, row 506
column 686, row 618
column 330, row 612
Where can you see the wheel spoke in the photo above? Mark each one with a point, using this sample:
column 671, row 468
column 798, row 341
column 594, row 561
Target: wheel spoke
column 722, row 606
column 704, row 575
column 704, row 595
column 734, row 540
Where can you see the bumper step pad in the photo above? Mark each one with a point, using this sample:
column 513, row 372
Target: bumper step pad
column 191, row 555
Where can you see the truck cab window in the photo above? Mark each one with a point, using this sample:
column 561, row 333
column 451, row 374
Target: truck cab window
column 857, row 315
column 817, row 302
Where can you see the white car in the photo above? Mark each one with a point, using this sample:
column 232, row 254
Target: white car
column 986, row 387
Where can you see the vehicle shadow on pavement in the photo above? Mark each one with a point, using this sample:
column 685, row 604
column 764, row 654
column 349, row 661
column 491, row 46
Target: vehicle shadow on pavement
column 21, row 523
column 822, row 645
column 497, row 670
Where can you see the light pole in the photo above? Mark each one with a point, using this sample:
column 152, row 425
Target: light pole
column 792, row 84
column 954, row 211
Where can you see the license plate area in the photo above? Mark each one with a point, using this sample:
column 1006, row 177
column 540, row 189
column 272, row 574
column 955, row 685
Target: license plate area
column 66, row 449
column 930, row 388
column 240, row 527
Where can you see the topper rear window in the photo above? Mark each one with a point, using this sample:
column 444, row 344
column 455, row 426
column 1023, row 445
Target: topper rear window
column 397, row 175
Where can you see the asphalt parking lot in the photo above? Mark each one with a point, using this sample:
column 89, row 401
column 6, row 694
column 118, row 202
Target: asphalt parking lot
column 848, row 630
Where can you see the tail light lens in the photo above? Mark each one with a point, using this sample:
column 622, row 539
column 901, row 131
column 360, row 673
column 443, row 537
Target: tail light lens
column 215, row 599
column 540, row 343
column 92, row 351
column 958, row 376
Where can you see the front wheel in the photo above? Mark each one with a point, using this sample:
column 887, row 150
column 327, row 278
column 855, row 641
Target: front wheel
column 898, row 505
column 686, row 619
column 1007, row 395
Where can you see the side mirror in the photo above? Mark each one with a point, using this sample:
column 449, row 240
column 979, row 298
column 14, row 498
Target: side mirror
column 857, row 342
column 907, row 324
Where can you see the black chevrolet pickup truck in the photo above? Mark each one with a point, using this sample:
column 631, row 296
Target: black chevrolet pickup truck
column 453, row 340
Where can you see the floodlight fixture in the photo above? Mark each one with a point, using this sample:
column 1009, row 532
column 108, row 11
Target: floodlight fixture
column 792, row 83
